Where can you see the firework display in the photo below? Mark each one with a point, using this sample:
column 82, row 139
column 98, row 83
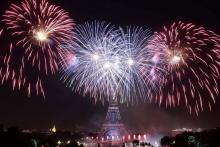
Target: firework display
column 192, row 56
column 105, row 62
column 178, row 65
column 36, row 29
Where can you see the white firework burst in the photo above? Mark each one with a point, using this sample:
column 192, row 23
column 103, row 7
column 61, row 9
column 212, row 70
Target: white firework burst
column 105, row 62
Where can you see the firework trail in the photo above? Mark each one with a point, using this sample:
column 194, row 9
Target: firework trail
column 105, row 62
column 36, row 29
column 1, row 30
column 192, row 56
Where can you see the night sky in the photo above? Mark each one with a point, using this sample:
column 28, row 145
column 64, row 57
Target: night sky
column 67, row 110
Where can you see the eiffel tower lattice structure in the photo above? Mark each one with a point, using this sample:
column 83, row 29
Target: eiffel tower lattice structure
column 113, row 129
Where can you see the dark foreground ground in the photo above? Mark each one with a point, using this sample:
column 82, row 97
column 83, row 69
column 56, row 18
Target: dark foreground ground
column 14, row 137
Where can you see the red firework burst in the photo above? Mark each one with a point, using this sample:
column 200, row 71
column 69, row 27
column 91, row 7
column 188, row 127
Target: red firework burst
column 192, row 55
column 37, row 28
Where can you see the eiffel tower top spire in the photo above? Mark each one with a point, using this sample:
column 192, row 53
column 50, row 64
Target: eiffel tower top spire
column 113, row 114
column 113, row 102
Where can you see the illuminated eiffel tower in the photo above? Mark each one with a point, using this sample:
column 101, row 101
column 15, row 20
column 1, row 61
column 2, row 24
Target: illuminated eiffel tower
column 113, row 129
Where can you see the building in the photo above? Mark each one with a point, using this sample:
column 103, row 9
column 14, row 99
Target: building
column 113, row 130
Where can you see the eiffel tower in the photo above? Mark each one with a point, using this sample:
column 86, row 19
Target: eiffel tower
column 113, row 129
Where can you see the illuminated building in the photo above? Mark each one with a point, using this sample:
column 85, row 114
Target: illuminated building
column 113, row 129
